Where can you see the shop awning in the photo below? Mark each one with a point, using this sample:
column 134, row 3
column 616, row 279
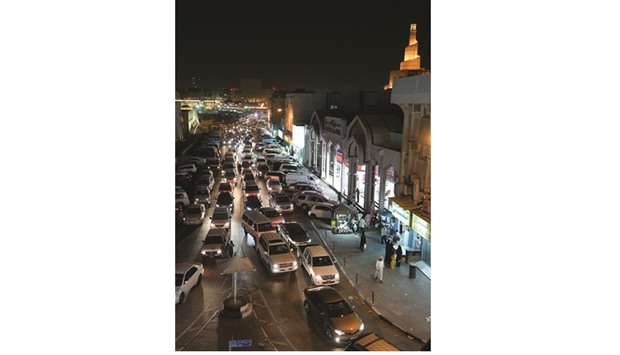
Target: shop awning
column 344, row 209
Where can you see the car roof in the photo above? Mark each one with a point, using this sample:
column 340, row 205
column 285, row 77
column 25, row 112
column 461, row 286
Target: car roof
column 317, row 250
column 181, row 268
column 220, row 209
column 326, row 293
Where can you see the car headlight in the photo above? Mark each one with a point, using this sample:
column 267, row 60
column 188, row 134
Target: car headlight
column 218, row 252
column 338, row 332
column 203, row 252
column 362, row 327
column 318, row 278
column 337, row 276
column 275, row 267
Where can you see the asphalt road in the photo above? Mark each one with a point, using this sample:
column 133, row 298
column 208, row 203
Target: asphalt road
column 278, row 321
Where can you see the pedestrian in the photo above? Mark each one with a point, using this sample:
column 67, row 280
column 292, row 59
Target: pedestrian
column 362, row 225
column 362, row 241
column 379, row 269
column 357, row 194
column 389, row 250
column 392, row 260
column 230, row 249
column 399, row 254
column 368, row 218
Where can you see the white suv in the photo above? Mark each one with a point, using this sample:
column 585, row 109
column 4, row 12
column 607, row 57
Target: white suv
column 319, row 265
column 305, row 200
column 275, row 253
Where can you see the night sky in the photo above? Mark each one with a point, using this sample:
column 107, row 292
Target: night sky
column 316, row 44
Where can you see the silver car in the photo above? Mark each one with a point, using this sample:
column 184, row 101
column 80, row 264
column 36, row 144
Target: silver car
column 194, row 214
column 221, row 218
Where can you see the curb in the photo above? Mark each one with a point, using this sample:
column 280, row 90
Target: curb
column 381, row 316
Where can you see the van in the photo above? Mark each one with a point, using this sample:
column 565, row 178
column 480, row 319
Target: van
column 294, row 177
column 371, row 342
column 255, row 224
column 275, row 253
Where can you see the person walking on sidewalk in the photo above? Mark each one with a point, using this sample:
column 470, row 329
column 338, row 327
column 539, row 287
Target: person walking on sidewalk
column 361, row 225
column 379, row 269
column 362, row 241
column 388, row 250
column 230, row 249
column 399, row 254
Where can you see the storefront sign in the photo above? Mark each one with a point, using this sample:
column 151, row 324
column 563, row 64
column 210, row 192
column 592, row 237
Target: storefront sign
column 333, row 125
column 402, row 214
column 421, row 227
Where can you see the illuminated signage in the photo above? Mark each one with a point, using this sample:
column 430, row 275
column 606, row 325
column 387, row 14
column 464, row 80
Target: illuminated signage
column 402, row 214
column 421, row 227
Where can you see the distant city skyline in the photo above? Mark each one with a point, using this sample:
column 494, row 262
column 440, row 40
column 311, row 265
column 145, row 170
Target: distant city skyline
column 318, row 45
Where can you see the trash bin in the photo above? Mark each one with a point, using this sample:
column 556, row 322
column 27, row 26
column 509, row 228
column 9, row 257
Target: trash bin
column 412, row 270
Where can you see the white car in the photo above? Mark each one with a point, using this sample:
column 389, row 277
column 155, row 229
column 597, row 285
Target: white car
column 321, row 210
column 319, row 266
column 187, row 168
column 187, row 275
column 273, row 186
column 194, row 214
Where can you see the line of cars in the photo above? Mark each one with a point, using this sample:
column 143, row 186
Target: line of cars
column 281, row 246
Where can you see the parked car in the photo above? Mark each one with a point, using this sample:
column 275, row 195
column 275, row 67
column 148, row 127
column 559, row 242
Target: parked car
column 221, row 218
column 280, row 201
column 322, row 211
column 304, row 186
column 214, row 244
column 275, row 253
column 230, row 176
column 273, row 186
column 252, row 202
column 319, row 265
column 187, row 275
column 194, row 214
column 225, row 186
column 333, row 314
column 203, row 196
column 306, row 200
column 187, row 168
column 371, row 342
column 251, row 189
column 294, row 234
column 225, row 199
column 255, row 223
column 182, row 199
column 271, row 213
column 262, row 169
column 275, row 175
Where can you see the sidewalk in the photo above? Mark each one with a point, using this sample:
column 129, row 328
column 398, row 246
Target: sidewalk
column 402, row 301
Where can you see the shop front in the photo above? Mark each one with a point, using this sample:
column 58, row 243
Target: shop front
column 407, row 214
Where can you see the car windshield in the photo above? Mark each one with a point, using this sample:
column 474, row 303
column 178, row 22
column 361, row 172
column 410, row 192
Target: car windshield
column 263, row 227
column 222, row 215
column 230, row 175
column 202, row 192
column 251, row 188
column 273, row 183
column 224, row 198
column 278, row 249
column 225, row 186
column 321, row 261
column 338, row 309
column 282, row 199
column 272, row 213
column 214, row 239
column 193, row 210
column 178, row 279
